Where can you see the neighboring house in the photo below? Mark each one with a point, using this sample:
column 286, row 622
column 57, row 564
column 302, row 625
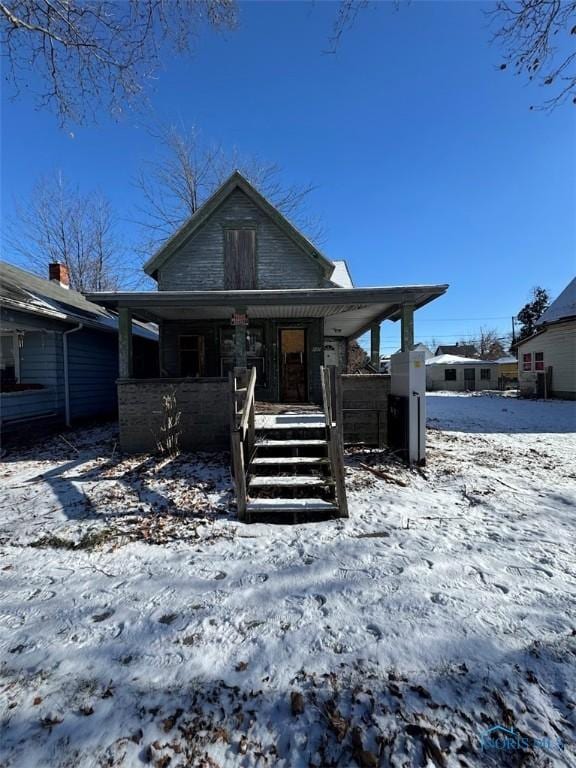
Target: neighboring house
column 462, row 350
column 460, row 374
column 240, row 287
column 507, row 371
column 59, row 352
column 547, row 359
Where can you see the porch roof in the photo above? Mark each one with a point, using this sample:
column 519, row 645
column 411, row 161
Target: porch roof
column 348, row 312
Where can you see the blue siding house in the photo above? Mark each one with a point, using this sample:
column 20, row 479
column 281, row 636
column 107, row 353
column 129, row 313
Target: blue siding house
column 59, row 352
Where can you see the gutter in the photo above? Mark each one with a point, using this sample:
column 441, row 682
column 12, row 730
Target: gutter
column 65, row 335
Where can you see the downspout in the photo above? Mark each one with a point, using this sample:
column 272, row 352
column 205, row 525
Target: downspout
column 66, row 376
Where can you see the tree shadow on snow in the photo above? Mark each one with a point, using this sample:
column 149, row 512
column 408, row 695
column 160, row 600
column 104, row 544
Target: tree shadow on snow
column 353, row 712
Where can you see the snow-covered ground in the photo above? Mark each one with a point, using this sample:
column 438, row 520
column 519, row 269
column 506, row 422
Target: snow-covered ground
column 140, row 623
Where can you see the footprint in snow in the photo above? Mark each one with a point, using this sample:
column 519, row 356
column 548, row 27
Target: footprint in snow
column 97, row 617
column 42, row 595
column 321, row 600
column 439, row 598
column 209, row 574
column 375, row 631
column 252, row 578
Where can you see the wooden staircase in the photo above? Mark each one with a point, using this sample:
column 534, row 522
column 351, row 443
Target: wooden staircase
column 288, row 465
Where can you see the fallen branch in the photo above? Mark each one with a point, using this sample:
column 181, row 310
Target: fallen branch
column 69, row 443
column 384, row 475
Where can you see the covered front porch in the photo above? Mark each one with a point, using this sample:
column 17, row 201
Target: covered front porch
column 286, row 335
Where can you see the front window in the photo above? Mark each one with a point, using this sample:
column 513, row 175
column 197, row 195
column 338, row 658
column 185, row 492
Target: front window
column 255, row 351
column 527, row 361
column 485, row 374
column 192, row 355
column 450, row 374
column 9, row 360
column 539, row 361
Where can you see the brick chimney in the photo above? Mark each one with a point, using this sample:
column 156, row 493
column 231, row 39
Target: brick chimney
column 58, row 273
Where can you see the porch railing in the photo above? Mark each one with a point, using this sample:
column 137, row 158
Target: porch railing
column 242, row 400
column 334, row 436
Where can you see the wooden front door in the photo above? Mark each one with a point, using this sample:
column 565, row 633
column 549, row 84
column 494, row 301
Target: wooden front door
column 293, row 380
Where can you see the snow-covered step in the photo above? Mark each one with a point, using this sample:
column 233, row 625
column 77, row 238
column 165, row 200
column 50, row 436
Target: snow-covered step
column 291, row 505
column 291, row 481
column 263, row 443
column 264, row 461
column 297, row 421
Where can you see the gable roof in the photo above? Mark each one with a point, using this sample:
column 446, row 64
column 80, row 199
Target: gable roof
column 23, row 291
column 456, row 349
column 561, row 308
column 235, row 181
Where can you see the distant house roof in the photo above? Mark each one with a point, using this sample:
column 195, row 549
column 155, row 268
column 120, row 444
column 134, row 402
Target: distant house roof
column 23, row 291
column 235, row 181
column 456, row 349
column 420, row 347
column 562, row 308
column 341, row 275
column 506, row 360
column 457, row 360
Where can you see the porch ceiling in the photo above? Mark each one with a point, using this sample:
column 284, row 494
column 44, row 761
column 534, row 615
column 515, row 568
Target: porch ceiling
column 347, row 311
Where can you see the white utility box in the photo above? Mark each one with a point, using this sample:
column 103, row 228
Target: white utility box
column 408, row 380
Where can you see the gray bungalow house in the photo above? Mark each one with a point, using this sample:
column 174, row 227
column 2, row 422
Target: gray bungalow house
column 59, row 352
column 240, row 287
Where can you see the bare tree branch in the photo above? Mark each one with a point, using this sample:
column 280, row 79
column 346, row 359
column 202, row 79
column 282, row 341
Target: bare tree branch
column 189, row 170
column 58, row 223
column 90, row 54
column 539, row 40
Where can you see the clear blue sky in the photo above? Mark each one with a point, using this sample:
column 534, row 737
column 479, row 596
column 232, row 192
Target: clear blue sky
column 429, row 165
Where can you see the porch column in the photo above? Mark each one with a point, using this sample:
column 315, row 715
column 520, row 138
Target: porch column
column 407, row 327
column 375, row 345
column 240, row 341
column 125, row 343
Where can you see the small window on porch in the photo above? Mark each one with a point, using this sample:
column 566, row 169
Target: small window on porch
column 192, row 355
column 9, row 360
column 450, row 374
column 485, row 374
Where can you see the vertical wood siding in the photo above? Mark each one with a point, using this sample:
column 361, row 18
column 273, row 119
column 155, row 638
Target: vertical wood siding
column 240, row 259
column 199, row 264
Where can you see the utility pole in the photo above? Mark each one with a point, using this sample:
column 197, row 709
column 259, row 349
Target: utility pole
column 513, row 331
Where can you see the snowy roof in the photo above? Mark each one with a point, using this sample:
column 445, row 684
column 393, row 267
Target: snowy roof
column 456, row 360
column 506, row 360
column 26, row 292
column 341, row 275
column 563, row 307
